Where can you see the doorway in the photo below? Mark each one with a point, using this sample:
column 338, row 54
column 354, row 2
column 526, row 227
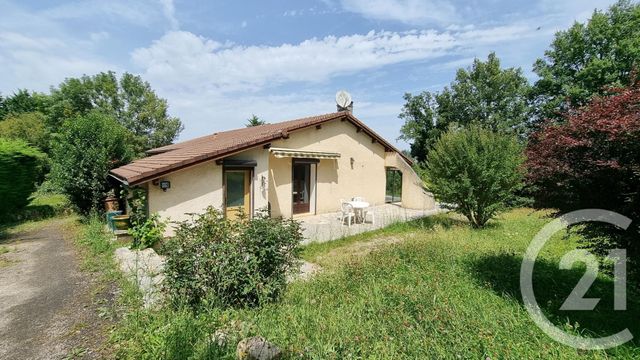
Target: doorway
column 303, row 186
column 237, row 193
column 394, row 186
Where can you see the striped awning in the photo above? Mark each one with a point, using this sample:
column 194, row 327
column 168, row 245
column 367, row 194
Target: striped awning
column 303, row 154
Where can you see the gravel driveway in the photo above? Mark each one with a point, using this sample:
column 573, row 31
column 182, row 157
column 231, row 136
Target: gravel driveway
column 46, row 309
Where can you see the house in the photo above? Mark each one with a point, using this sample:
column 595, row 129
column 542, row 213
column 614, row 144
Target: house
column 291, row 169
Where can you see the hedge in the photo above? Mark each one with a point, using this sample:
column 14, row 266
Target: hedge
column 20, row 170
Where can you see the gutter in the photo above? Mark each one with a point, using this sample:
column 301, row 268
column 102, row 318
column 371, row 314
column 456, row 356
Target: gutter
column 125, row 182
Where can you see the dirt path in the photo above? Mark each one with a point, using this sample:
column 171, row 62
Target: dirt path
column 46, row 309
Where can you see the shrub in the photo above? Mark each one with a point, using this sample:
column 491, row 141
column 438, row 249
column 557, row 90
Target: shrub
column 29, row 127
column 20, row 170
column 475, row 172
column 137, row 200
column 230, row 263
column 592, row 160
column 87, row 148
column 147, row 233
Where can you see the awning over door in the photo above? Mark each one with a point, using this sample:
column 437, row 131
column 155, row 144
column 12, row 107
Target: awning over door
column 303, row 154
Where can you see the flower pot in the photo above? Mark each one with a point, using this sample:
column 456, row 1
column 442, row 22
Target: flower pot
column 121, row 222
column 111, row 203
column 110, row 215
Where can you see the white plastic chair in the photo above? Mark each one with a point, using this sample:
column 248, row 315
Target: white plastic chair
column 347, row 212
column 367, row 212
column 358, row 198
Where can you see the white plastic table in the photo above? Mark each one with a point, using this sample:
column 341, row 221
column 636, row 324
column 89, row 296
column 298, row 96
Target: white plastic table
column 358, row 207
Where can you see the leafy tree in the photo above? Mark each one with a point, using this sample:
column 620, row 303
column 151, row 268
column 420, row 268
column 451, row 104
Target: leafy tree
column 591, row 159
column 586, row 59
column 20, row 170
column 484, row 94
column 23, row 101
column 421, row 126
column 254, row 121
column 84, row 152
column 475, row 171
column 29, row 127
column 130, row 101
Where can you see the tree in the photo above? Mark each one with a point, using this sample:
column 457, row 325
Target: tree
column 591, row 159
column 84, row 152
column 3, row 107
column 586, row 60
column 420, row 127
column 23, row 101
column 475, row 171
column 483, row 94
column 29, row 127
column 254, row 121
column 130, row 101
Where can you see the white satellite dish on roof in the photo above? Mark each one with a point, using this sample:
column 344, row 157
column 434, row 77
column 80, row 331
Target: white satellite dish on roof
column 343, row 99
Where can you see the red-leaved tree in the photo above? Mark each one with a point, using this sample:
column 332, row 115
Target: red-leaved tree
column 592, row 160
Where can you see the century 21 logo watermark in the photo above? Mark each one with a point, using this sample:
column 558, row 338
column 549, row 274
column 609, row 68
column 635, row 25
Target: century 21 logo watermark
column 576, row 300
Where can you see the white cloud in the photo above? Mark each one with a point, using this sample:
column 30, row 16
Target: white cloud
column 183, row 59
column 243, row 24
column 169, row 10
column 37, row 62
column 213, row 85
column 407, row 11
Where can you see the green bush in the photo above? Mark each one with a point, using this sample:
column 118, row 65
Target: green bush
column 20, row 170
column 137, row 201
column 84, row 152
column 147, row 233
column 29, row 127
column 212, row 260
column 475, row 172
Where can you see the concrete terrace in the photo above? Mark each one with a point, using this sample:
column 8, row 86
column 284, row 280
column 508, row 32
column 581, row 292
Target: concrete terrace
column 327, row 227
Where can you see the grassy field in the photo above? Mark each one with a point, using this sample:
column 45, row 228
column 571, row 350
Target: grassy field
column 432, row 288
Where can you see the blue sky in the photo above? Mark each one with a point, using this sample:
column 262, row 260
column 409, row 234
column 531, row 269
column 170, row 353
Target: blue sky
column 218, row 62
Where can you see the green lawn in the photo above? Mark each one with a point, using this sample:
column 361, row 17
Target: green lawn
column 440, row 289
column 40, row 207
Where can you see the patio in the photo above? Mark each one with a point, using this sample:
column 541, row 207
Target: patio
column 327, row 227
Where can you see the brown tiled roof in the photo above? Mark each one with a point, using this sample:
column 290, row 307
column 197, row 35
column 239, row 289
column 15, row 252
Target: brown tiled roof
column 166, row 159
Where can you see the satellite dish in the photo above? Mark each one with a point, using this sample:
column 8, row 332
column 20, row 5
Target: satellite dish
column 343, row 99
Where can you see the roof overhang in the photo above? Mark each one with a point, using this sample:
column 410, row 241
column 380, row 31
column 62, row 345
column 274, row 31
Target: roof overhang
column 303, row 154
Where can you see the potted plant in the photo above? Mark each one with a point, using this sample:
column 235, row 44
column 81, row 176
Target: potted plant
column 121, row 222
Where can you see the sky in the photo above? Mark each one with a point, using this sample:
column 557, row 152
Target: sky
column 219, row 62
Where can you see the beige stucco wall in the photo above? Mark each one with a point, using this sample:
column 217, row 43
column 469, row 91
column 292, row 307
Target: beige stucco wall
column 280, row 186
column 195, row 188
column 337, row 179
column 192, row 190
column 413, row 194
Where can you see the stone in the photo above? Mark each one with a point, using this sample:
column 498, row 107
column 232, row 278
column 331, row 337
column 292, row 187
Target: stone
column 145, row 268
column 257, row 348
column 220, row 337
column 306, row 271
